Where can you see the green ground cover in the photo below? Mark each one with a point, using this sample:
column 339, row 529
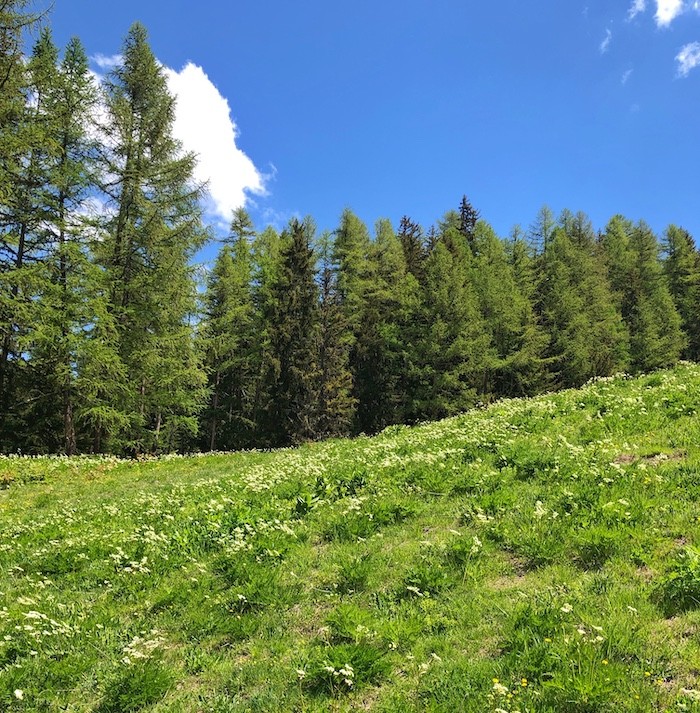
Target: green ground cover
column 537, row 555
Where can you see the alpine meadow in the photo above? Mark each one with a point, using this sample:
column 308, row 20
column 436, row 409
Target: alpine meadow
column 403, row 468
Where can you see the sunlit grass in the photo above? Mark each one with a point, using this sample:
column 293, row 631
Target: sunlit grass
column 537, row 555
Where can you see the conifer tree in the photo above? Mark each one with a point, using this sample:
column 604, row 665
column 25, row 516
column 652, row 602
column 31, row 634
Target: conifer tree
column 291, row 415
column 516, row 340
column 411, row 237
column 541, row 231
column 631, row 255
column 468, row 218
column 231, row 342
column 67, row 306
column 682, row 268
column 266, row 265
column 656, row 339
column 156, row 230
column 387, row 372
column 453, row 347
column 28, row 150
column 530, row 369
column 356, row 279
column 588, row 336
column 336, row 405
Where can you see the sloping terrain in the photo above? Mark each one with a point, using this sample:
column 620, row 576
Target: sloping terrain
column 537, row 555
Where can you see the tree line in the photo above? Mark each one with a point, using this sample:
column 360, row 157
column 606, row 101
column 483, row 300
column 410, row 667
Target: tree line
column 111, row 341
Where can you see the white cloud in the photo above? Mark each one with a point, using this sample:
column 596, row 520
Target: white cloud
column 638, row 7
column 107, row 62
column 204, row 125
column 626, row 76
column 667, row 11
column 688, row 58
column 605, row 44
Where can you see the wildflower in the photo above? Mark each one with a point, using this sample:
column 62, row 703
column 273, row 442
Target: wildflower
column 19, row 694
column 500, row 689
column 604, row 662
column 567, row 608
column 301, row 673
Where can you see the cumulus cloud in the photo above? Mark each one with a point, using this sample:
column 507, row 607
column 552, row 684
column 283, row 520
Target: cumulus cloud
column 107, row 62
column 667, row 11
column 638, row 7
column 605, row 44
column 688, row 58
column 204, row 125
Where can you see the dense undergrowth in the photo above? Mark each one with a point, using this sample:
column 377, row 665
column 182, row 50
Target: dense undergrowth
column 538, row 555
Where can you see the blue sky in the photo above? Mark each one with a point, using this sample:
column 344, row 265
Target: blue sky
column 394, row 108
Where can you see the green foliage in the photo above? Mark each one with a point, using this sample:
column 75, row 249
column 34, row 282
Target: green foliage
column 588, row 336
column 679, row 589
column 232, row 343
column 136, row 687
column 682, row 269
column 504, row 558
column 341, row 669
column 154, row 234
column 293, row 369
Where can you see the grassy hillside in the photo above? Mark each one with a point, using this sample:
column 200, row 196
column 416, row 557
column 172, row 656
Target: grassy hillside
column 537, row 555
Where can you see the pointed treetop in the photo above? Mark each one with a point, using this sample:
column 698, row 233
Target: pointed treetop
column 468, row 218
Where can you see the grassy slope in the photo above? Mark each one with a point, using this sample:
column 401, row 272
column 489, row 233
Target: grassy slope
column 539, row 555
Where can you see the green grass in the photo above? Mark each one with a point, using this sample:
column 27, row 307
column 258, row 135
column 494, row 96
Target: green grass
column 537, row 555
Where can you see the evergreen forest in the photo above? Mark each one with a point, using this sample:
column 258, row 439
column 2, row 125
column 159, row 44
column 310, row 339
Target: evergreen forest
column 114, row 340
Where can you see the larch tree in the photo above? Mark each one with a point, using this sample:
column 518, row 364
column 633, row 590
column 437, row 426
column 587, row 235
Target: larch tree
column 656, row 339
column 292, row 408
column 28, row 150
column 587, row 333
column 468, row 218
column 151, row 239
column 453, row 344
column 682, row 268
column 72, row 295
column 411, row 238
column 336, row 404
column 516, row 341
column 231, row 341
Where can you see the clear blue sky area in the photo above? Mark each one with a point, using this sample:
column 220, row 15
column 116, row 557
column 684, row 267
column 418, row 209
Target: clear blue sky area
column 394, row 108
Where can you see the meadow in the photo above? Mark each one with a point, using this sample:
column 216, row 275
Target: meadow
column 536, row 554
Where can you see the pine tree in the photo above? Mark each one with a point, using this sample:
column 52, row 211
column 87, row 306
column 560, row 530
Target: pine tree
column 67, row 306
column 468, row 218
column 541, row 231
column 336, row 406
column 294, row 341
column 156, row 231
column 588, row 336
column 616, row 253
column 27, row 152
column 453, row 345
column 266, row 257
column 517, row 343
column 682, row 268
column 631, row 255
column 656, row 339
column 530, row 370
column 386, row 371
column 411, row 238
column 231, row 342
